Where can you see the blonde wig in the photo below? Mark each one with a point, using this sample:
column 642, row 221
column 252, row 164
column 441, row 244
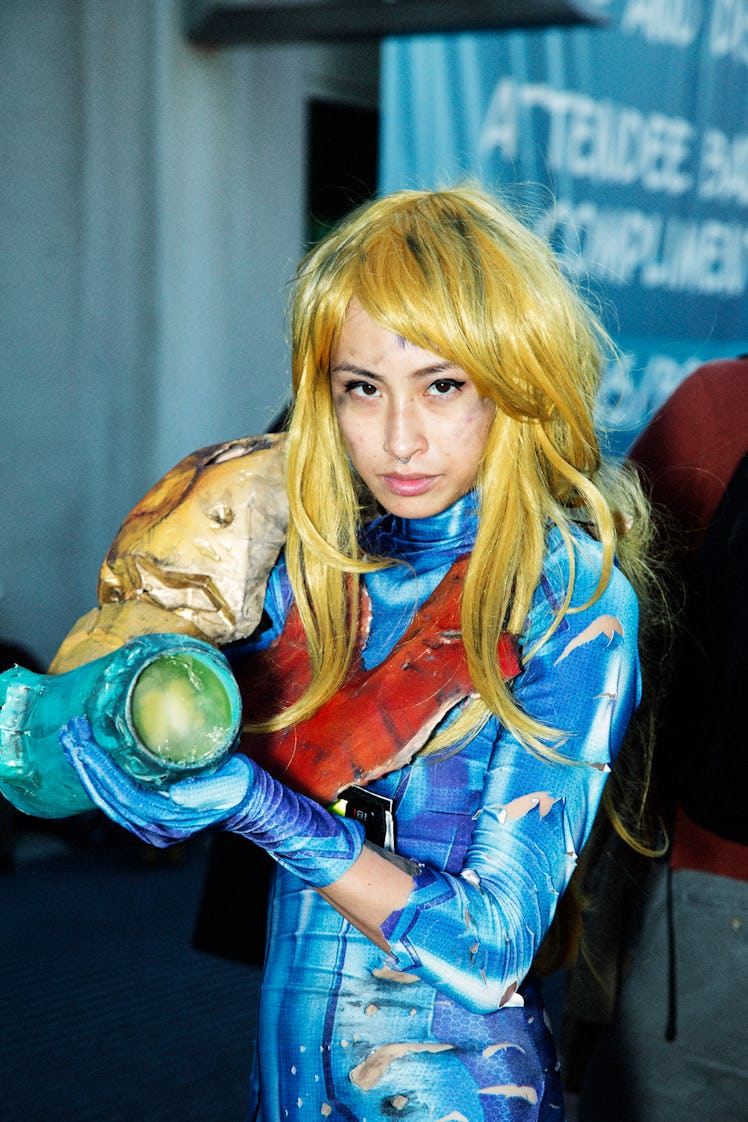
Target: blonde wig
column 453, row 272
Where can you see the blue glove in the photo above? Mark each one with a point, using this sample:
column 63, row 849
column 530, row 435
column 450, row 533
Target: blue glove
column 240, row 796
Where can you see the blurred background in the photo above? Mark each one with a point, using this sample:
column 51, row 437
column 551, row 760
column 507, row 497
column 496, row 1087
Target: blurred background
column 164, row 166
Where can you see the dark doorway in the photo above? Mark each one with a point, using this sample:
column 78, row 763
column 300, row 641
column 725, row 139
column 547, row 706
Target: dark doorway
column 342, row 161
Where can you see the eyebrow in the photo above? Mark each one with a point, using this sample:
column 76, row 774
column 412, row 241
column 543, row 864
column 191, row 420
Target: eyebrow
column 423, row 372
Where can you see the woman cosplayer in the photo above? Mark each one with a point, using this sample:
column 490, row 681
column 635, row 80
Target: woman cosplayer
column 451, row 605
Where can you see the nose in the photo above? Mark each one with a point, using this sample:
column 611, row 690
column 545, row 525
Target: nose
column 404, row 433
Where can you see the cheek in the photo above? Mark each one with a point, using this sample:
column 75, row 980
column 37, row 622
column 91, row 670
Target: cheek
column 354, row 435
column 357, row 439
column 475, row 424
column 345, row 423
column 471, row 436
column 484, row 417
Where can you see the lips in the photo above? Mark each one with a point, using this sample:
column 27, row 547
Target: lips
column 409, row 484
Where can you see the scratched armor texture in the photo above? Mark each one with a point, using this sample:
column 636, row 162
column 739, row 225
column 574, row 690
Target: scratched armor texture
column 351, row 1034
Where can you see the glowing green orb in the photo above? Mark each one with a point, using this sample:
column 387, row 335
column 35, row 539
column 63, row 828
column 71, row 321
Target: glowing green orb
column 181, row 710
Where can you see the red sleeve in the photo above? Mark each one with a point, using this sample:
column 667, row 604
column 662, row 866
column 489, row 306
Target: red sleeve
column 691, row 447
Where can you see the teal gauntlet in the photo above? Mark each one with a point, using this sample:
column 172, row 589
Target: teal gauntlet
column 162, row 706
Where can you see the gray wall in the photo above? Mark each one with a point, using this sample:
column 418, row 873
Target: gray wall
column 152, row 202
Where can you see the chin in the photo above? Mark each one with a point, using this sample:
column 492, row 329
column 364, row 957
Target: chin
column 419, row 507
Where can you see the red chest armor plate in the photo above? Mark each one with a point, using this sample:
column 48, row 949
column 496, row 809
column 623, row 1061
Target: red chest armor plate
column 380, row 717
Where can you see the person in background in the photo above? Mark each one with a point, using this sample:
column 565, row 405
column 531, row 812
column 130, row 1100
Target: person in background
column 677, row 1044
column 443, row 676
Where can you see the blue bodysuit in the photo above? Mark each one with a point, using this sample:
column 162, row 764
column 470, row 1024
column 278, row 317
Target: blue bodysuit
column 449, row 1027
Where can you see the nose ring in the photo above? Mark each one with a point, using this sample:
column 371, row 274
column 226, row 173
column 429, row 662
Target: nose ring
column 405, row 461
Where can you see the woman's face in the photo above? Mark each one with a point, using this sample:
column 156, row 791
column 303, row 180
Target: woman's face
column 414, row 424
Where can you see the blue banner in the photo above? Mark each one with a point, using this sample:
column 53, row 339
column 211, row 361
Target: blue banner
column 626, row 145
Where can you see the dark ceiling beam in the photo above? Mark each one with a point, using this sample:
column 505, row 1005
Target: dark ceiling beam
column 263, row 21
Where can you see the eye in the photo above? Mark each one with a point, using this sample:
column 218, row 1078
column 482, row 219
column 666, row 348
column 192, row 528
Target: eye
column 444, row 386
column 361, row 388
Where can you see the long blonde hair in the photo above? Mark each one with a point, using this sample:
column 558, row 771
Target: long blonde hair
column 454, row 272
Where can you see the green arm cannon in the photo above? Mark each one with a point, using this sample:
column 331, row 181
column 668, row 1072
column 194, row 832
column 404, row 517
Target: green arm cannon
column 163, row 706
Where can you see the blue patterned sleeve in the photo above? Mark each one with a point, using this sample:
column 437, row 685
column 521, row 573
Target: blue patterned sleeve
column 474, row 935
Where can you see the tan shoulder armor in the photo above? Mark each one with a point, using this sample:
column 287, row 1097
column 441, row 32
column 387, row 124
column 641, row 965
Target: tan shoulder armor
column 194, row 555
